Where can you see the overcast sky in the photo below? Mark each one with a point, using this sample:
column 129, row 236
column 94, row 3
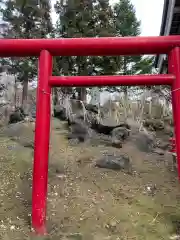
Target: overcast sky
column 150, row 14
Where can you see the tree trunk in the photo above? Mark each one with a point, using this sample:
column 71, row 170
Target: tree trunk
column 82, row 70
column 17, row 102
column 24, row 93
column 15, row 93
column 125, row 91
column 126, row 102
column 82, row 94
column 55, row 96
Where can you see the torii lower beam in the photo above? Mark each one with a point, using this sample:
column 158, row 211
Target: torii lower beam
column 122, row 80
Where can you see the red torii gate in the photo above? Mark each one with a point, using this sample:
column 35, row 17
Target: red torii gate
column 45, row 49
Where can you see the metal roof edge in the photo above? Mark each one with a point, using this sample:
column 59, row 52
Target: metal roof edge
column 163, row 24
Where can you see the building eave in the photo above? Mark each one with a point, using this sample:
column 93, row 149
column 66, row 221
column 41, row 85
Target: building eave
column 163, row 23
column 167, row 17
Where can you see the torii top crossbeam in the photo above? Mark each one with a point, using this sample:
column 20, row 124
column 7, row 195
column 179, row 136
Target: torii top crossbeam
column 89, row 46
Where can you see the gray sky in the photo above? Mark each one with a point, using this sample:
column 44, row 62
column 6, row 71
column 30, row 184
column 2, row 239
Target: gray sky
column 149, row 12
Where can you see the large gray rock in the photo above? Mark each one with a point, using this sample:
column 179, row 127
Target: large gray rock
column 5, row 112
column 164, row 145
column 17, row 116
column 154, row 124
column 159, row 151
column 79, row 130
column 91, row 108
column 120, row 133
column 7, row 88
column 145, row 141
column 107, row 126
column 21, row 132
column 121, row 162
column 60, row 112
column 7, row 97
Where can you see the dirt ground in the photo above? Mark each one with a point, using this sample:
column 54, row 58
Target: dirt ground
column 85, row 202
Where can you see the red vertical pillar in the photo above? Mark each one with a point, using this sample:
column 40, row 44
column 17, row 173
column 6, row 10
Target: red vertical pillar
column 41, row 149
column 174, row 68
